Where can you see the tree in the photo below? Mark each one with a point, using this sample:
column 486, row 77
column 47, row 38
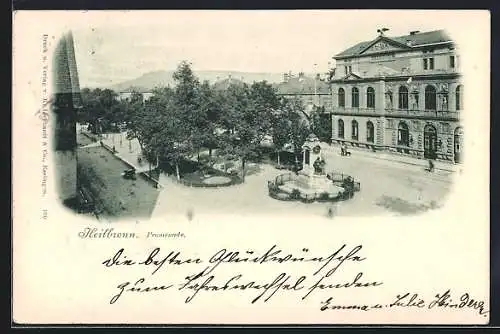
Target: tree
column 168, row 142
column 246, row 119
column 290, row 126
column 281, row 133
column 299, row 125
column 238, row 139
column 321, row 124
column 207, row 118
column 100, row 108
column 188, row 115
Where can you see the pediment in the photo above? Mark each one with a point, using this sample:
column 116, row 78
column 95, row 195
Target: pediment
column 383, row 45
column 351, row 76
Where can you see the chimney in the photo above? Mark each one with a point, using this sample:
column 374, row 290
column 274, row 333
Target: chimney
column 301, row 75
column 414, row 32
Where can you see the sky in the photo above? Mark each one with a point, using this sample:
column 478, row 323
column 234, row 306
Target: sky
column 119, row 46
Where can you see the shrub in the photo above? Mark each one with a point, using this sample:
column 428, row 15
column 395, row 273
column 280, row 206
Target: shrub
column 272, row 187
column 324, row 196
column 295, row 194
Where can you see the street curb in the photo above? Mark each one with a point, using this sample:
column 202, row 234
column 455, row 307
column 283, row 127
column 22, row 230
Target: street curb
column 117, row 155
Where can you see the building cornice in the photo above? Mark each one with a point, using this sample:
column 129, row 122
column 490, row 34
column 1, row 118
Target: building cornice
column 403, row 50
column 403, row 77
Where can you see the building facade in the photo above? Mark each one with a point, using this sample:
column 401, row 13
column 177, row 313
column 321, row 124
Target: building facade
column 312, row 92
column 400, row 94
column 126, row 95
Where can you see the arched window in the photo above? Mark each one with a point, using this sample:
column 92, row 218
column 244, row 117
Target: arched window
column 403, row 98
column 370, row 132
column 355, row 98
column 340, row 128
column 430, row 98
column 370, row 97
column 354, row 130
column 341, row 98
column 403, row 134
column 414, row 100
column 458, row 97
column 430, row 142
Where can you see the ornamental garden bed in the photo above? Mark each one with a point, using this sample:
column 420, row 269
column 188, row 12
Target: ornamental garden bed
column 194, row 174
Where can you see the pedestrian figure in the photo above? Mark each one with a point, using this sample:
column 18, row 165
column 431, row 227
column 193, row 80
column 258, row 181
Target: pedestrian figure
column 431, row 165
column 332, row 210
column 190, row 214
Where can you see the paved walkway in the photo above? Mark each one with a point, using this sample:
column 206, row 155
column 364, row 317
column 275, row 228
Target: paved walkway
column 439, row 165
column 92, row 145
column 389, row 183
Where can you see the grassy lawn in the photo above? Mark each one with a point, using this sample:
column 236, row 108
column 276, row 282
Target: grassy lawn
column 100, row 171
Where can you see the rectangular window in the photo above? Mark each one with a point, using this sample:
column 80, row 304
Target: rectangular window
column 452, row 61
column 431, row 63
column 350, row 69
column 425, row 63
column 345, row 69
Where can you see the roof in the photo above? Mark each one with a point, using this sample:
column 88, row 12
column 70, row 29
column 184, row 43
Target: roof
column 302, row 85
column 136, row 89
column 409, row 41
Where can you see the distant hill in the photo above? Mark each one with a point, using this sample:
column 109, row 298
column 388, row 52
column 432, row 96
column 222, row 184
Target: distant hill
column 150, row 80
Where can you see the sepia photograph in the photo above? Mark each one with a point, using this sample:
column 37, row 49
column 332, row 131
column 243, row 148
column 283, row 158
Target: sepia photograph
column 359, row 122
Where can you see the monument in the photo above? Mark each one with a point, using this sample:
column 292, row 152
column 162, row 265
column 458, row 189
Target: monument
column 313, row 172
column 311, row 183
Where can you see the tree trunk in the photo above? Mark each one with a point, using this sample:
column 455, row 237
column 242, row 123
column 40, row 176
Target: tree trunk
column 210, row 152
column 198, row 156
column 278, row 158
column 243, row 169
column 177, row 171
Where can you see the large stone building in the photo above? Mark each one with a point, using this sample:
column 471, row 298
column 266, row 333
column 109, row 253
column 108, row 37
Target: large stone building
column 401, row 94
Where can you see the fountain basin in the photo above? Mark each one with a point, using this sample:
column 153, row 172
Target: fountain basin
column 307, row 188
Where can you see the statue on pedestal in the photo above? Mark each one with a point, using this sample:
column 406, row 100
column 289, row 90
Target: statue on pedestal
column 319, row 166
column 312, row 152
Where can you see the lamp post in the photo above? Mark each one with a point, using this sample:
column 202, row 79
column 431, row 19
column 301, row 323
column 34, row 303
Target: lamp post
column 315, row 84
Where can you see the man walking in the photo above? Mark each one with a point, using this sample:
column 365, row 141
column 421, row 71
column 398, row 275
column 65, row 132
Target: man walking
column 431, row 165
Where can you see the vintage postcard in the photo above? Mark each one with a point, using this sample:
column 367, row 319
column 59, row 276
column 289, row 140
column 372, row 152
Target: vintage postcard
column 251, row 167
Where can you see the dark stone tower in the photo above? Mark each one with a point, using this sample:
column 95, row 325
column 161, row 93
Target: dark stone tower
column 66, row 100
